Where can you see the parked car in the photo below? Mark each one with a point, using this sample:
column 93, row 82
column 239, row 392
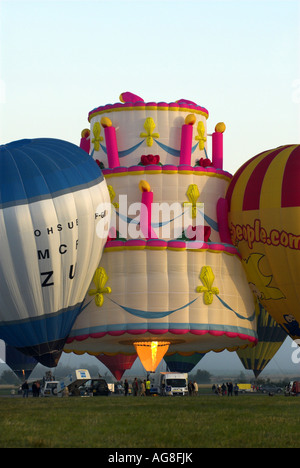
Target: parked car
column 270, row 388
column 95, row 387
column 119, row 390
column 49, row 389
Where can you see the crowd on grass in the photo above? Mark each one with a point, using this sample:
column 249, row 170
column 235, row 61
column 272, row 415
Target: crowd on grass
column 226, row 389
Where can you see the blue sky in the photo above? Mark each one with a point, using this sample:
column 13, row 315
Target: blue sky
column 238, row 58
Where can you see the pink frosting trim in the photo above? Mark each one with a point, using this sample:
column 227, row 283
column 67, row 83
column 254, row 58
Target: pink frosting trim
column 172, row 244
column 182, row 104
column 142, row 331
column 167, row 167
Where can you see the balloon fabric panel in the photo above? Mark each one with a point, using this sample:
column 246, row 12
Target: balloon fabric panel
column 267, row 233
column 48, row 236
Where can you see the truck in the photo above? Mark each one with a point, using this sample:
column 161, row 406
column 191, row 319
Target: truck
column 50, row 388
column 245, row 387
column 73, row 381
column 170, row 384
column 293, row 388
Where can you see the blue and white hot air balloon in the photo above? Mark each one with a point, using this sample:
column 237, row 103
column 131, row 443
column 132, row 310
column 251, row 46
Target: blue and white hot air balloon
column 54, row 217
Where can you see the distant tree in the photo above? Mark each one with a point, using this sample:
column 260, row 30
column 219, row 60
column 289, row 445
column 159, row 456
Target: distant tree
column 201, row 376
column 242, row 378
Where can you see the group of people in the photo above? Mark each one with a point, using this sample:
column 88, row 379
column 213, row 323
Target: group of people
column 36, row 389
column 226, row 389
column 141, row 388
column 193, row 388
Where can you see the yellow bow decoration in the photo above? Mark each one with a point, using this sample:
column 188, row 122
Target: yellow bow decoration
column 193, row 195
column 100, row 279
column 112, row 195
column 98, row 137
column 149, row 126
column 201, row 135
column 207, row 277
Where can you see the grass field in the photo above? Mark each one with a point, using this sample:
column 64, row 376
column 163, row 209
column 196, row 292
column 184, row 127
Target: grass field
column 155, row 422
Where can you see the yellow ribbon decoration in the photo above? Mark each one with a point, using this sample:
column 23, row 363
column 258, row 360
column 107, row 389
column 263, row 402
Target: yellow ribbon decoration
column 100, row 279
column 207, row 277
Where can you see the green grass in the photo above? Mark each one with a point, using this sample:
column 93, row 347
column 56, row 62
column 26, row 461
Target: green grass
column 155, row 422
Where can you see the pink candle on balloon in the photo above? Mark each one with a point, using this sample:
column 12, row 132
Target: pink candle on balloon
column 85, row 141
column 111, row 143
column 146, row 210
column 217, row 145
column 186, row 140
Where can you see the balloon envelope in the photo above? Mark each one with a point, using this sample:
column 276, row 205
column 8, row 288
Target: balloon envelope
column 264, row 219
column 182, row 363
column 117, row 364
column 21, row 364
column 270, row 338
column 167, row 274
column 51, row 204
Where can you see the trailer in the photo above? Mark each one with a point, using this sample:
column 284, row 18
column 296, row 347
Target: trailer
column 73, row 381
column 245, row 387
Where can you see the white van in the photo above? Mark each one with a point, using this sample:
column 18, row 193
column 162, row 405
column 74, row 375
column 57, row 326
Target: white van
column 49, row 389
column 171, row 383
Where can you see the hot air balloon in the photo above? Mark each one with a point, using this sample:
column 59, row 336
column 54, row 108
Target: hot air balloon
column 117, row 364
column 53, row 217
column 264, row 219
column 270, row 338
column 182, row 362
column 21, row 364
column 168, row 280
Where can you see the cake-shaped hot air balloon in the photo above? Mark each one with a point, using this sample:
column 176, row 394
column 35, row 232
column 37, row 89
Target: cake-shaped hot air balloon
column 264, row 219
column 170, row 279
column 53, row 215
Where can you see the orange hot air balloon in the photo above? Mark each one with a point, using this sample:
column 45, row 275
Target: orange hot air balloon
column 118, row 363
column 264, row 220
column 151, row 353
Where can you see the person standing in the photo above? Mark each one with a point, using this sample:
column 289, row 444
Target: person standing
column 148, row 386
column 195, row 388
column 190, row 388
column 34, row 389
column 126, row 387
column 143, row 388
column 230, row 388
column 25, row 388
column 135, row 387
